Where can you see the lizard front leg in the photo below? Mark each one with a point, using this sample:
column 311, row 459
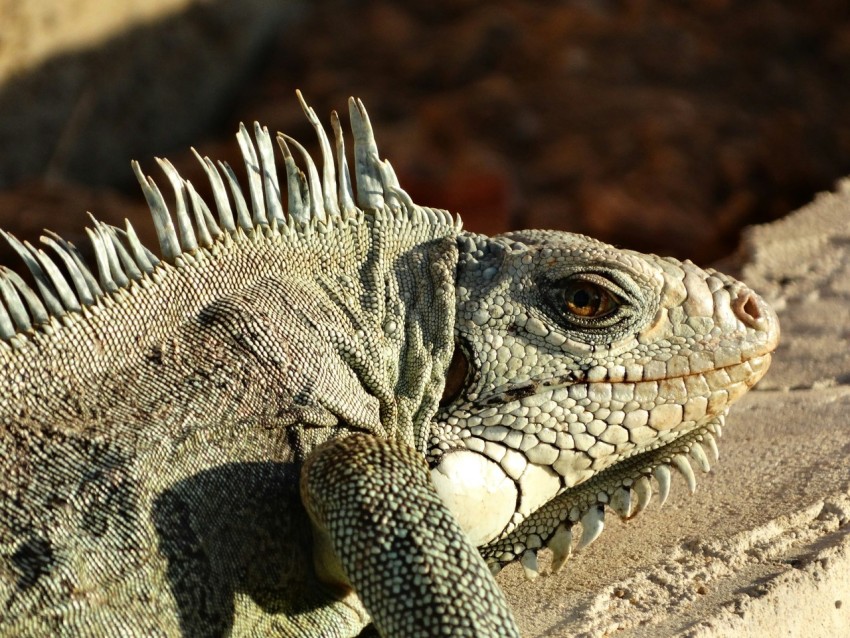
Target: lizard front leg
column 381, row 529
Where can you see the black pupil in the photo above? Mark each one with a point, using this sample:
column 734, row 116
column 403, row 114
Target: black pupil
column 581, row 299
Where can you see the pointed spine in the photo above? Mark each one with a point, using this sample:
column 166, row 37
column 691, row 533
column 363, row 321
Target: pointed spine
column 271, row 186
column 621, row 502
column 181, row 213
column 255, row 177
column 204, row 223
column 12, row 302
column 222, row 204
column 331, row 204
column 317, row 209
column 125, row 261
column 25, row 296
column 84, row 292
column 63, row 291
column 390, row 185
column 370, row 194
column 168, row 243
column 298, row 192
column 345, row 193
column 82, row 267
column 243, row 217
column 102, row 259
column 146, row 260
column 7, row 328
column 42, row 281
column 529, row 564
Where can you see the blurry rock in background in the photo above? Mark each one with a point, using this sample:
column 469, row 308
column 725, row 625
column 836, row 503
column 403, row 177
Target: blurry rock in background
column 664, row 127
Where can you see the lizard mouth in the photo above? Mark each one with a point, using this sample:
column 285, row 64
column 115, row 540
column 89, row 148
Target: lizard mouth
column 626, row 486
column 748, row 371
column 679, row 428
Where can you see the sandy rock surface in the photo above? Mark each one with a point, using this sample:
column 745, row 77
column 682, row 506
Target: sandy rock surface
column 763, row 547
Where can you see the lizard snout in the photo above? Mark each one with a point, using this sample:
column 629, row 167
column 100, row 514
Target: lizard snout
column 750, row 309
column 755, row 313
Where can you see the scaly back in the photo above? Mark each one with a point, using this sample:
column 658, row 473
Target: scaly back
column 319, row 209
column 362, row 269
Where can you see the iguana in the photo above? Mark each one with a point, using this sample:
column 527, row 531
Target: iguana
column 312, row 415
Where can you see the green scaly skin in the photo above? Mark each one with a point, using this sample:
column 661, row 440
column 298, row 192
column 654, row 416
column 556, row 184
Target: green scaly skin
column 297, row 423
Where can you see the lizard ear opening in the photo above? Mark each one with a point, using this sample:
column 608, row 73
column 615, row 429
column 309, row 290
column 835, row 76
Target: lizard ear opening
column 456, row 376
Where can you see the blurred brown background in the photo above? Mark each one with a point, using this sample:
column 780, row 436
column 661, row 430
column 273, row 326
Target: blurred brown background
column 660, row 126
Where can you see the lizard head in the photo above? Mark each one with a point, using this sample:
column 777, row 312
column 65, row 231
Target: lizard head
column 580, row 372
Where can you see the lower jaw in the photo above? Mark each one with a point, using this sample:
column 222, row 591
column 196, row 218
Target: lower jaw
column 626, row 488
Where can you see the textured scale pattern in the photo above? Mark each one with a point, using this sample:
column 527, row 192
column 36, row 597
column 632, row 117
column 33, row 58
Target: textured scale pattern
column 610, row 403
column 371, row 485
column 323, row 406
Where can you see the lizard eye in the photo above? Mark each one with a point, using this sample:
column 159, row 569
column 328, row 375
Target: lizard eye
column 588, row 300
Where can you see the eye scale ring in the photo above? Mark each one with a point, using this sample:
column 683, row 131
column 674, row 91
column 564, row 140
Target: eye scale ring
column 588, row 300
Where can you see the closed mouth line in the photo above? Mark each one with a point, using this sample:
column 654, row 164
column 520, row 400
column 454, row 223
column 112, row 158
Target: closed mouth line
column 554, row 383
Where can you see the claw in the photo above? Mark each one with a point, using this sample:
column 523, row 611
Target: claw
column 561, row 545
column 681, row 463
column 529, row 564
column 662, row 475
column 621, row 502
column 643, row 490
column 709, row 440
column 592, row 524
column 698, row 454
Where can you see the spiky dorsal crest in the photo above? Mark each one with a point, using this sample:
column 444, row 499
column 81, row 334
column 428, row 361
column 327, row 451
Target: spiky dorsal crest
column 314, row 201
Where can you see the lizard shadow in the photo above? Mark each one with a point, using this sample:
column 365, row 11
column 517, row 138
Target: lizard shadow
column 237, row 540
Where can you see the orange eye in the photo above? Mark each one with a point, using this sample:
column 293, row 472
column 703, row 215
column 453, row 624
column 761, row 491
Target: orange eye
column 588, row 300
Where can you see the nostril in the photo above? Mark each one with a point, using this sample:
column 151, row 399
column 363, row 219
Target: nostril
column 751, row 307
column 747, row 308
